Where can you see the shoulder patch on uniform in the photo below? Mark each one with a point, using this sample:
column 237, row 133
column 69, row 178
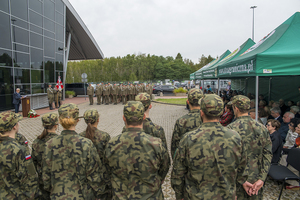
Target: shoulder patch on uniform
column 26, row 142
column 28, row 157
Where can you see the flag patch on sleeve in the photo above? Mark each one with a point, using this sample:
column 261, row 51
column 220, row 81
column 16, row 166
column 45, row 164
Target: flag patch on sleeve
column 26, row 142
column 28, row 157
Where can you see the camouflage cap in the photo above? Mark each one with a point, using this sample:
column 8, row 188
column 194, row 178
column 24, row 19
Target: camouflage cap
column 50, row 119
column 241, row 102
column 195, row 94
column 68, row 110
column 8, row 120
column 144, row 98
column 133, row 111
column 91, row 116
column 212, row 105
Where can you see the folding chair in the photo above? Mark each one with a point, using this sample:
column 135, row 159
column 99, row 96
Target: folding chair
column 282, row 174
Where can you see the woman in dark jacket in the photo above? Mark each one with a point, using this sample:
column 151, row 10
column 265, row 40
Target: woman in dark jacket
column 273, row 125
column 17, row 100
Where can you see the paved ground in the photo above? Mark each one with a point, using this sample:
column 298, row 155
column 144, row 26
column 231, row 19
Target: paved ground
column 111, row 122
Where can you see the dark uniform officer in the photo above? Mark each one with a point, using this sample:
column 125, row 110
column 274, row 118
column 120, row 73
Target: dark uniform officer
column 209, row 160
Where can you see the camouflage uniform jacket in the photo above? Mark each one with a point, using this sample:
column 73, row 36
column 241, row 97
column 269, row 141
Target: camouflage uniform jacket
column 115, row 90
column 72, row 168
column 38, row 148
column 184, row 124
column 21, row 139
column 99, row 90
column 90, row 90
column 139, row 164
column 18, row 176
column 154, row 130
column 208, row 162
column 50, row 93
column 258, row 146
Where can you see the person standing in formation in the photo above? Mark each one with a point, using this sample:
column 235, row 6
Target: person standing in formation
column 138, row 162
column 188, row 122
column 74, row 159
column 90, row 93
column 19, row 179
column 257, row 144
column 106, row 94
column 124, row 94
column 210, row 160
column 98, row 94
column 50, row 124
column 115, row 90
column 50, row 94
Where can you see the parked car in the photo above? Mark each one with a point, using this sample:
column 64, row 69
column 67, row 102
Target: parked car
column 164, row 89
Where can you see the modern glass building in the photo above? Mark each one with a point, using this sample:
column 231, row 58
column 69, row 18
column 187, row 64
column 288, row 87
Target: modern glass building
column 37, row 38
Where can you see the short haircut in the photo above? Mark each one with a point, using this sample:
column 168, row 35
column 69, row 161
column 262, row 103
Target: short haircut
column 228, row 106
column 134, row 123
column 253, row 101
column 295, row 122
column 275, row 123
column 295, row 108
column 277, row 103
column 262, row 113
column 195, row 102
column 276, row 110
column 18, row 89
column 290, row 114
column 243, row 110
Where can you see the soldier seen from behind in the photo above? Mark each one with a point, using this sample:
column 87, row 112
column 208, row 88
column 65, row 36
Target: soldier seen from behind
column 138, row 162
column 19, row 179
column 90, row 93
column 210, row 159
column 188, row 122
column 71, row 167
column 99, row 139
column 148, row 126
column 50, row 124
column 258, row 147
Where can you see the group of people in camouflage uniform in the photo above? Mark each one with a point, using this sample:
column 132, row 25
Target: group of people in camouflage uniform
column 107, row 93
column 54, row 95
column 209, row 161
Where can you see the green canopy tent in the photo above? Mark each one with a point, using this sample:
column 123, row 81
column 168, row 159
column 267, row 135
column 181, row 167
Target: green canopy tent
column 277, row 55
column 192, row 76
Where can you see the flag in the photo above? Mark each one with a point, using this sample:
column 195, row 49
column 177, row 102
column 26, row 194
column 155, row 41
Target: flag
column 28, row 157
column 59, row 84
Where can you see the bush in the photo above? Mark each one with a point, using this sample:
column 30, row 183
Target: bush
column 179, row 90
column 68, row 93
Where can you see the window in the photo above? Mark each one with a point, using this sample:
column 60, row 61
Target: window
column 20, row 47
column 19, row 8
column 19, row 22
column 5, row 58
column 59, row 6
column 22, row 76
column 4, row 5
column 20, row 35
column 36, row 40
column 49, row 25
column 49, row 34
column 49, row 70
column 24, row 89
column 37, row 76
column 49, row 9
column 36, row 58
column 59, row 18
column 21, row 60
column 36, row 29
column 6, row 81
column 49, row 45
column 37, row 88
column 36, row 18
column 36, row 5
column 5, row 31
column 59, row 62
column 59, row 33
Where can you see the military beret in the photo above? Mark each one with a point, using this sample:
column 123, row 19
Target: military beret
column 144, row 98
column 212, row 105
column 195, row 94
column 8, row 120
column 133, row 111
column 241, row 102
column 50, row 119
column 68, row 110
column 91, row 116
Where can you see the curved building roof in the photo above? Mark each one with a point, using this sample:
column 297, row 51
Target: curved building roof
column 83, row 45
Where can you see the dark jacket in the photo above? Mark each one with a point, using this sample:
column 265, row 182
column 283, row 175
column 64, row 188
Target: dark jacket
column 276, row 146
column 16, row 98
column 283, row 130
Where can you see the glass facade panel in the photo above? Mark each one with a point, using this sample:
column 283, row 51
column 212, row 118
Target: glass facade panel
column 57, row 74
column 20, row 35
column 22, row 76
column 24, row 89
column 36, row 29
column 59, row 33
column 6, row 102
column 19, row 8
column 36, row 58
column 59, row 47
column 5, row 31
column 49, row 9
column 49, row 34
column 6, row 83
column 36, row 40
column 49, row 45
column 59, row 6
column 59, row 62
column 37, row 76
column 49, row 25
column 35, row 18
column 19, row 22
column 49, row 70
column 20, row 47
column 5, row 58
column 36, row 5
column 37, row 88
column 4, row 5
column 21, row 60
column 59, row 18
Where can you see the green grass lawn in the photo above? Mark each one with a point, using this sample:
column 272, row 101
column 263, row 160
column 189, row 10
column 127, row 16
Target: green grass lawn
column 181, row 101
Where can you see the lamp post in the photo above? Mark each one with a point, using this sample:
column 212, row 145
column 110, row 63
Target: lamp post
column 73, row 79
column 253, row 7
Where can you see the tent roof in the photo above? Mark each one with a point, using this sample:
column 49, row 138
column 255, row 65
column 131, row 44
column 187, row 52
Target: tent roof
column 276, row 54
column 83, row 45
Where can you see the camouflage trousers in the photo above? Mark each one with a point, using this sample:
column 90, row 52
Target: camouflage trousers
column 98, row 99
column 115, row 99
column 91, row 98
column 124, row 99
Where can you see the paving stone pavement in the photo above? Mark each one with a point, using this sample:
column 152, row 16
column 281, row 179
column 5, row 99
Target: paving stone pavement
column 111, row 122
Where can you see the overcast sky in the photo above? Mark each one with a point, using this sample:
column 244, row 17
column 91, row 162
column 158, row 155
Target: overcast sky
column 190, row 27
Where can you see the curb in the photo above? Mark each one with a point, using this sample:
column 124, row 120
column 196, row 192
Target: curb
column 167, row 103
